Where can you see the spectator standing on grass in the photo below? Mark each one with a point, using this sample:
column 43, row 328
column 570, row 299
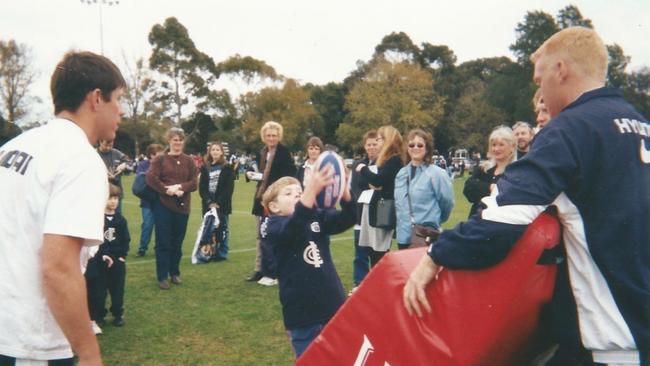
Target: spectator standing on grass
column 361, row 263
column 501, row 152
column 106, row 270
column 173, row 175
column 146, row 229
column 54, row 192
column 272, row 163
column 313, row 149
column 117, row 163
column 423, row 192
column 382, row 182
column 216, row 186
column 524, row 134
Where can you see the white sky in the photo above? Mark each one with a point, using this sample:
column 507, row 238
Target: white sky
column 312, row 41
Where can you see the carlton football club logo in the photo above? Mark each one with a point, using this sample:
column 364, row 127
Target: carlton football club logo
column 365, row 355
column 109, row 234
column 311, row 255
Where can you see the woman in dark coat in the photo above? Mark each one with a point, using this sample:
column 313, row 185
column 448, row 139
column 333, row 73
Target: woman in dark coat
column 501, row 152
column 216, row 186
column 273, row 162
column 382, row 180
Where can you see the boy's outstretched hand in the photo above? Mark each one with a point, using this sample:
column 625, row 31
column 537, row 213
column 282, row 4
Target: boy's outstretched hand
column 319, row 180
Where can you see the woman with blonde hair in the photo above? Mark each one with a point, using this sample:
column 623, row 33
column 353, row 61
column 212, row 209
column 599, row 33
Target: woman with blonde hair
column 381, row 178
column 274, row 162
column 501, row 152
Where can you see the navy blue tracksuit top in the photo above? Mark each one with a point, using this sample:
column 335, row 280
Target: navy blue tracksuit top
column 592, row 162
column 310, row 289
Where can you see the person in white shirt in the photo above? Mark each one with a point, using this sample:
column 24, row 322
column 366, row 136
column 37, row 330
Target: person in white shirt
column 54, row 190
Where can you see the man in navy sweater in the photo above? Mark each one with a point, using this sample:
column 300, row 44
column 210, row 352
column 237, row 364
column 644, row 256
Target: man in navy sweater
column 592, row 161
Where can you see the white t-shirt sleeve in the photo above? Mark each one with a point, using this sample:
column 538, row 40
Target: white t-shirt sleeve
column 77, row 200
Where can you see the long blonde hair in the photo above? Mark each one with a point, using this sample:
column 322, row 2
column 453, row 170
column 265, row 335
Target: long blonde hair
column 393, row 145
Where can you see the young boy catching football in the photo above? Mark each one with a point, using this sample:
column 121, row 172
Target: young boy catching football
column 298, row 233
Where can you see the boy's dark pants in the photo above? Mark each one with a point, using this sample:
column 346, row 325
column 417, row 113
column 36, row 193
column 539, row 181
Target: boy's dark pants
column 99, row 280
column 115, row 280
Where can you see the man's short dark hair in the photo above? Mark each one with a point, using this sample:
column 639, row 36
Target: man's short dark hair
column 79, row 73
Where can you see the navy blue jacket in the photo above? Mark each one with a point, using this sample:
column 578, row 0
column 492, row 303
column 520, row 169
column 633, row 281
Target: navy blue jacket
column 592, row 161
column 116, row 237
column 310, row 289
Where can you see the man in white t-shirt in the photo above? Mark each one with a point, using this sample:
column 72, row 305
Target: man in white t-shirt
column 53, row 192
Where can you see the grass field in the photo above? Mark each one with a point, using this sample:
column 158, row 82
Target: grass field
column 214, row 317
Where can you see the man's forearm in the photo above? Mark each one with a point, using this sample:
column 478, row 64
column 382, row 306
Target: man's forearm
column 65, row 290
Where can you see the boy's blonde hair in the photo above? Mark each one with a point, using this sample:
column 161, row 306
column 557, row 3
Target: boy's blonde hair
column 582, row 46
column 271, row 193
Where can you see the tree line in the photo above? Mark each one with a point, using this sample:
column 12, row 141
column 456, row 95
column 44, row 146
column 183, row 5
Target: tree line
column 404, row 84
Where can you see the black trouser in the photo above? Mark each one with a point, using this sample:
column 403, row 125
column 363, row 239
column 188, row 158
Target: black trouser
column 269, row 266
column 99, row 280
column 376, row 256
column 11, row 361
column 115, row 280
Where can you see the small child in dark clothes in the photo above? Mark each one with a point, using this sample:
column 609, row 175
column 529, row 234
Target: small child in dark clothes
column 106, row 271
column 298, row 234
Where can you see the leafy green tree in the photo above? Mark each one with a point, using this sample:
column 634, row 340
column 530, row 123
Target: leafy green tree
column 138, row 93
column 536, row 28
column 248, row 68
column 329, row 102
column 637, row 90
column 134, row 136
column 398, row 94
column 199, row 128
column 570, row 16
column 16, row 77
column 185, row 71
column 397, row 47
column 474, row 118
column 439, row 58
column 616, row 66
column 290, row 106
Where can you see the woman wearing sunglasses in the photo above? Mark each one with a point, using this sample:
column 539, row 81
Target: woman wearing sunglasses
column 427, row 187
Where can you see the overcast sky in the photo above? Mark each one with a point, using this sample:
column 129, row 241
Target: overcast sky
column 312, row 41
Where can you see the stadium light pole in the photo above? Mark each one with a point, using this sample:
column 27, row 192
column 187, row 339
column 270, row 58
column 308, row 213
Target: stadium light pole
column 101, row 21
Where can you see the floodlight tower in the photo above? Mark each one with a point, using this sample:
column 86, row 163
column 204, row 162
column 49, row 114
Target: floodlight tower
column 99, row 3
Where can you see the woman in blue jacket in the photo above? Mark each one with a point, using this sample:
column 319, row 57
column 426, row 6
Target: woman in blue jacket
column 428, row 187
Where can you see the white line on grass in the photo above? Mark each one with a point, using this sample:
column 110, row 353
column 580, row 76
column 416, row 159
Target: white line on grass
column 232, row 251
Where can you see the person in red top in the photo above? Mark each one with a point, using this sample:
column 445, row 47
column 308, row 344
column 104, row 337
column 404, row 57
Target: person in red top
column 173, row 175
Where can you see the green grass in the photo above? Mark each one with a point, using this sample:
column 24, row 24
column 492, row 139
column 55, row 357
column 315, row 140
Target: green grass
column 214, row 317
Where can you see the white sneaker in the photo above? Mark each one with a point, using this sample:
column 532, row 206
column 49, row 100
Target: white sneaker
column 96, row 328
column 354, row 289
column 267, row 281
